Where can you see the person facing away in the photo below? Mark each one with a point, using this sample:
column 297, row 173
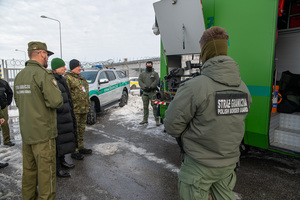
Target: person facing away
column 148, row 81
column 6, row 95
column 79, row 89
column 66, row 140
column 37, row 97
column 207, row 115
column 2, row 120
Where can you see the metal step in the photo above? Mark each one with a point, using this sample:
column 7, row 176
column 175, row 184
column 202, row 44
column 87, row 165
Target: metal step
column 284, row 131
column 287, row 139
column 290, row 121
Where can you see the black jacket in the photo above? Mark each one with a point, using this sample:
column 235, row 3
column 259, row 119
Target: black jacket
column 66, row 140
column 6, row 94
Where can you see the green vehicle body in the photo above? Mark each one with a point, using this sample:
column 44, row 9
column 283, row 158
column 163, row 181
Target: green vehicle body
column 251, row 26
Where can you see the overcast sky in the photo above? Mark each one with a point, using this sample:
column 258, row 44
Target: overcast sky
column 91, row 30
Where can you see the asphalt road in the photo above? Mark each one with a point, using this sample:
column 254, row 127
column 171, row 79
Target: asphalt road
column 145, row 166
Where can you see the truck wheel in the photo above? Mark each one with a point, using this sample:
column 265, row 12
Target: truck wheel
column 124, row 99
column 92, row 115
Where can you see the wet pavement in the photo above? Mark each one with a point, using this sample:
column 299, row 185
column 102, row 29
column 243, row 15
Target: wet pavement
column 139, row 162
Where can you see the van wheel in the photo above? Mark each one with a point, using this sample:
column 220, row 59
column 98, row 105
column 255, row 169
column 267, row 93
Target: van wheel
column 92, row 115
column 124, row 99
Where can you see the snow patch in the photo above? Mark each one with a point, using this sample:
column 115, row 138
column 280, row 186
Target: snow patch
column 107, row 149
column 112, row 148
column 131, row 115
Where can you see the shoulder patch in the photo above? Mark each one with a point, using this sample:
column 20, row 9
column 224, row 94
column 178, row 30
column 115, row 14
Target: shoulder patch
column 54, row 82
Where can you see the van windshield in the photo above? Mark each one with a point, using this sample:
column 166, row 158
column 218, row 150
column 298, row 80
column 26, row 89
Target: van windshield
column 90, row 76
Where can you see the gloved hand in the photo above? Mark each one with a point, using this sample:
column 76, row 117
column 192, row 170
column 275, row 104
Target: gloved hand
column 147, row 89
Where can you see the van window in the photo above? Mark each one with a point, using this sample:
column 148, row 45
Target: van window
column 103, row 76
column 90, row 76
column 121, row 74
column 111, row 75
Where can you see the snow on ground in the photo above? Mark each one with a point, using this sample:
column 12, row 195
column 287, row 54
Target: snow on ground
column 107, row 149
column 129, row 117
column 130, row 114
column 133, row 114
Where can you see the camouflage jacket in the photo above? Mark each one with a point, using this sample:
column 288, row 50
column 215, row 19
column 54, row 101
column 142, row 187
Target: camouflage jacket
column 79, row 89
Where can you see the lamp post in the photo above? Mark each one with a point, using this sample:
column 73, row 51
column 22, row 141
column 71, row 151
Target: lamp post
column 43, row 16
column 23, row 52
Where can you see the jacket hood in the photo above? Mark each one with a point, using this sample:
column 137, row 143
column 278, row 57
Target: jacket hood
column 222, row 69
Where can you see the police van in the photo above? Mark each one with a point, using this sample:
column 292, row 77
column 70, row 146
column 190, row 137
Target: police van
column 107, row 87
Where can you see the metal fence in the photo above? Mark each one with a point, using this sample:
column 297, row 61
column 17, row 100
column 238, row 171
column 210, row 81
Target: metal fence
column 11, row 67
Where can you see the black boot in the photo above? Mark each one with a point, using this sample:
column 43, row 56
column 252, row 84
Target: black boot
column 85, row 151
column 63, row 174
column 9, row 144
column 67, row 165
column 2, row 165
column 77, row 156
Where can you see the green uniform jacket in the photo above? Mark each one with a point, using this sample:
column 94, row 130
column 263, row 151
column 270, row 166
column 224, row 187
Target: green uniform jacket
column 210, row 139
column 1, row 114
column 37, row 97
column 149, row 79
column 79, row 89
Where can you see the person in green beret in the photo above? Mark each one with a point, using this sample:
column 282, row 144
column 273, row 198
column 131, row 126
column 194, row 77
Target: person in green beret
column 66, row 140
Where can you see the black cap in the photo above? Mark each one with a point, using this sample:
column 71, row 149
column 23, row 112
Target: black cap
column 74, row 63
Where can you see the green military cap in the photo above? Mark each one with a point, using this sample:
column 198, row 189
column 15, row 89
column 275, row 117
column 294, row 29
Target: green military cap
column 39, row 46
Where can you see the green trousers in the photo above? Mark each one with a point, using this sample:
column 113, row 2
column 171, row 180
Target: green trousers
column 81, row 122
column 146, row 97
column 39, row 171
column 197, row 181
column 5, row 127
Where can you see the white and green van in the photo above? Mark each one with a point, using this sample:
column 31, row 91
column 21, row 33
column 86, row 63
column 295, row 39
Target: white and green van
column 107, row 88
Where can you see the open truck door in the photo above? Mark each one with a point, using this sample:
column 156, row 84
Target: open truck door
column 253, row 27
column 181, row 25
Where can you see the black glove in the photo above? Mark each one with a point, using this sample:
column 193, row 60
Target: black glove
column 179, row 142
column 147, row 89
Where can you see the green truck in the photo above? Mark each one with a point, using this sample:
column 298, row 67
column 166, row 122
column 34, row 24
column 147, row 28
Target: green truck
column 264, row 38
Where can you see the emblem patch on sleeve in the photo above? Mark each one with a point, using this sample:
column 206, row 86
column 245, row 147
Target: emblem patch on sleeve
column 232, row 103
column 54, row 82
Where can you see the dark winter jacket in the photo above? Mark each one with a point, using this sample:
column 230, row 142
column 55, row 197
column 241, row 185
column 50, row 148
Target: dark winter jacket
column 6, row 94
column 208, row 112
column 148, row 81
column 66, row 123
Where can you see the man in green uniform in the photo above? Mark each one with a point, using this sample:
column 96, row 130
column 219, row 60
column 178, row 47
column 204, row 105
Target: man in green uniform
column 208, row 114
column 6, row 95
column 148, row 81
column 2, row 120
column 37, row 97
column 79, row 89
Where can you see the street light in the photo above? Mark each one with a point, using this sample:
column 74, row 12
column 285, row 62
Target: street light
column 22, row 51
column 43, row 16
